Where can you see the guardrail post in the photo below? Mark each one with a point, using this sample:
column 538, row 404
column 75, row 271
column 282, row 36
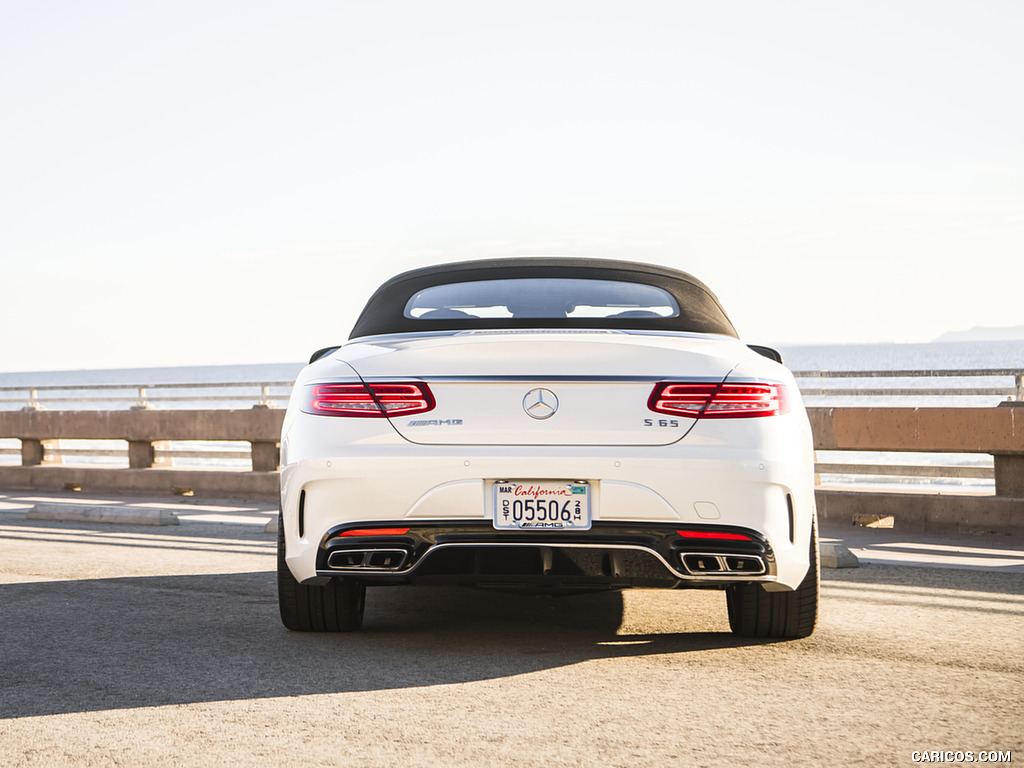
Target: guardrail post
column 141, row 454
column 265, row 396
column 36, row 452
column 32, row 453
column 266, row 456
column 1009, row 475
column 162, row 454
column 1019, row 380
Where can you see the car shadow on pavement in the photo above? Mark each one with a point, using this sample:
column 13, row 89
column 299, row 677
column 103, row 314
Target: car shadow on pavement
column 101, row 644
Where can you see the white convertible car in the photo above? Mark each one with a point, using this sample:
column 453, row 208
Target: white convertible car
column 549, row 425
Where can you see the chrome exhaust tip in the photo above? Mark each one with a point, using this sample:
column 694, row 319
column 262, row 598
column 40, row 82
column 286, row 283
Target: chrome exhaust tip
column 367, row 559
column 703, row 564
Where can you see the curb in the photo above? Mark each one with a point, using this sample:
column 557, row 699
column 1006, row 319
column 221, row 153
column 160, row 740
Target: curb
column 94, row 513
column 836, row 556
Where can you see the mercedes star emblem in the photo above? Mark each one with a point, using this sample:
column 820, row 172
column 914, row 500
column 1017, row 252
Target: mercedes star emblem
column 540, row 403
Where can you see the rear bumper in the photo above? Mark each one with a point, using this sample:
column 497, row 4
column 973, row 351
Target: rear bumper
column 447, row 492
column 608, row 556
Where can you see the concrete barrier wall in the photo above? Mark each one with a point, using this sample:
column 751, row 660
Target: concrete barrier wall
column 143, row 430
column 254, row 424
column 915, row 511
column 997, row 431
column 940, row 430
column 190, row 482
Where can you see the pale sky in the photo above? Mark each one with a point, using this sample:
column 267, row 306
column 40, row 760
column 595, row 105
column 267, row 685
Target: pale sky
column 189, row 183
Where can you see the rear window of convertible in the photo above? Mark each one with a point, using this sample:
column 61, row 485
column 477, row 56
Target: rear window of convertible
column 541, row 297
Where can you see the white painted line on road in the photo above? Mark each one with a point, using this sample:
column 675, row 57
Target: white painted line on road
column 954, row 549
column 93, row 537
column 935, row 560
column 940, row 593
column 48, row 532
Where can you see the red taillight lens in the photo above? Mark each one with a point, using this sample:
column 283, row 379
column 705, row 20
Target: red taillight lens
column 714, row 535
column 369, row 400
column 714, row 401
column 684, row 399
column 375, row 532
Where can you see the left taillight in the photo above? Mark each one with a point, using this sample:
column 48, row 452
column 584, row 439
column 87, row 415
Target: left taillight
column 374, row 400
column 700, row 400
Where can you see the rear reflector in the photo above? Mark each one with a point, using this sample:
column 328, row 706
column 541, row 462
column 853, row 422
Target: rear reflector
column 720, row 535
column 718, row 401
column 375, row 532
column 368, row 400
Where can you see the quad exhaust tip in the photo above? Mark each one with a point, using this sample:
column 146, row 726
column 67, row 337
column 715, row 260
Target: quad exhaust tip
column 368, row 559
column 699, row 564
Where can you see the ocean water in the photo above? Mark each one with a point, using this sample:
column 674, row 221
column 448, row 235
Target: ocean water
column 202, row 374
column 948, row 356
column 989, row 355
column 160, row 384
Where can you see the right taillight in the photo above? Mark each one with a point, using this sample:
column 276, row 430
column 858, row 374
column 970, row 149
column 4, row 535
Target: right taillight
column 375, row 400
column 719, row 401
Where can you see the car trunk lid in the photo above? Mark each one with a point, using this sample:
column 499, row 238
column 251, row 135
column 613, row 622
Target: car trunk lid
column 537, row 388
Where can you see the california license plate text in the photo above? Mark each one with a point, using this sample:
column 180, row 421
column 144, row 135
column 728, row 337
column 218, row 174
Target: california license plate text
column 542, row 505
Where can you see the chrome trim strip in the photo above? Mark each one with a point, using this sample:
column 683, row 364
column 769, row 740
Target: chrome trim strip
column 538, row 378
column 542, row 378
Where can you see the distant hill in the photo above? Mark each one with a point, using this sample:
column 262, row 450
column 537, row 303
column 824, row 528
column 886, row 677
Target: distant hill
column 985, row 334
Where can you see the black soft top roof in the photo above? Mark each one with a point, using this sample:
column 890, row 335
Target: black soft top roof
column 699, row 310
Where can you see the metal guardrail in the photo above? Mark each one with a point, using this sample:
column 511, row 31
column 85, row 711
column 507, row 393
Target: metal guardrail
column 908, row 472
column 165, row 456
column 147, row 395
column 1014, row 391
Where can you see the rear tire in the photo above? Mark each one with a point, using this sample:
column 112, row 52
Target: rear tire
column 333, row 607
column 756, row 612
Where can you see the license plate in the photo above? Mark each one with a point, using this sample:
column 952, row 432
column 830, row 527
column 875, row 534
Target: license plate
column 520, row 506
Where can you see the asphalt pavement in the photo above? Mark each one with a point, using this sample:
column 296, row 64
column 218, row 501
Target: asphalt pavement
column 150, row 646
